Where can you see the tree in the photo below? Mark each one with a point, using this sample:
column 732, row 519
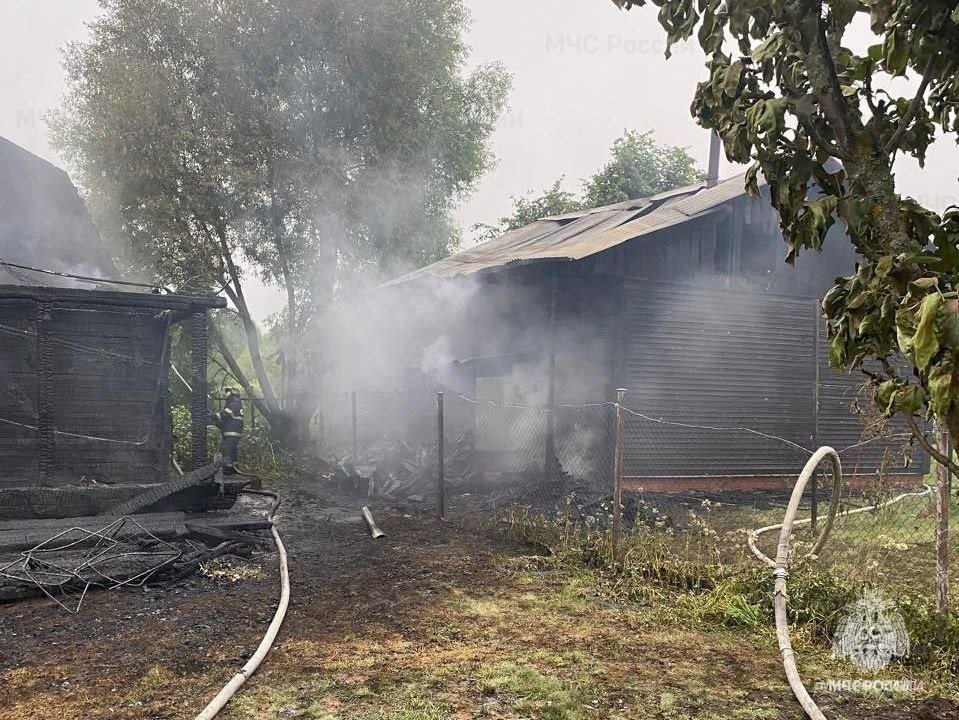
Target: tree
column 319, row 144
column 787, row 96
column 638, row 167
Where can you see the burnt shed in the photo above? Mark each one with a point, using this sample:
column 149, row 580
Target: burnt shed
column 685, row 300
column 84, row 407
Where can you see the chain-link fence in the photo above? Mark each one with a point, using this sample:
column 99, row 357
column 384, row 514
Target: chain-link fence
column 696, row 485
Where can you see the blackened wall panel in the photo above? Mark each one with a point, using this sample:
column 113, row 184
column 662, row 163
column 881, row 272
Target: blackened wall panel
column 728, row 359
column 105, row 385
column 18, row 392
column 109, row 381
column 722, row 359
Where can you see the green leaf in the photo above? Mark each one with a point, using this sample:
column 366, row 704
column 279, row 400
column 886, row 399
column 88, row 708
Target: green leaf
column 897, row 52
column 732, row 78
column 949, row 325
column 837, row 351
column 884, row 266
column 941, row 398
column 925, row 283
column 770, row 48
column 925, row 344
column 908, row 399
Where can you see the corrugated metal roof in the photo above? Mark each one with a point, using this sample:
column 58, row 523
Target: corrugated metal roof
column 575, row 236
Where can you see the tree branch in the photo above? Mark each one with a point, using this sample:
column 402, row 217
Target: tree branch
column 832, row 77
column 931, row 449
column 237, row 371
column 252, row 332
column 893, row 144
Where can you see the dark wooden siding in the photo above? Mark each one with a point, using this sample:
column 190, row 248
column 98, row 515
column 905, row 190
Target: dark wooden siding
column 18, row 392
column 731, row 359
column 82, row 372
column 720, row 359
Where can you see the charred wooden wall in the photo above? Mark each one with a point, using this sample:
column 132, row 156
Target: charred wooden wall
column 83, row 392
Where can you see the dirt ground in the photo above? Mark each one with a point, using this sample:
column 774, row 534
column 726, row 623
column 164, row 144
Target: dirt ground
column 430, row 622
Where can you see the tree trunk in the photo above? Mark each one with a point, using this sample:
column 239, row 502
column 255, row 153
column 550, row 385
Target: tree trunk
column 943, row 509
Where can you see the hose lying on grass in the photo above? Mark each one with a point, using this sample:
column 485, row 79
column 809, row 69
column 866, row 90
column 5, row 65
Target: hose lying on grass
column 779, row 565
column 231, row 688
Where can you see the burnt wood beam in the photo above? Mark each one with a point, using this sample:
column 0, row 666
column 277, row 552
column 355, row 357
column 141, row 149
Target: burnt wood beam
column 199, row 354
column 189, row 303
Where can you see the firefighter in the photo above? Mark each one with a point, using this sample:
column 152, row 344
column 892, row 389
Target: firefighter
column 230, row 422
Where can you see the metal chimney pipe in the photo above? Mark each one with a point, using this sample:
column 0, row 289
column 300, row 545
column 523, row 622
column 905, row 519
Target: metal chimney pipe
column 712, row 177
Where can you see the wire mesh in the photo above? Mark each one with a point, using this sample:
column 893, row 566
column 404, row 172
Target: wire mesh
column 560, row 462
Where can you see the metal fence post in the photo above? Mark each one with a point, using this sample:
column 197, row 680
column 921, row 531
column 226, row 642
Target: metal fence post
column 618, row 471
column 440, row 459
column 356, row 452
column 943, row 498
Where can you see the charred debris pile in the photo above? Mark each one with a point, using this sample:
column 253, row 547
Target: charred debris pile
column 141, row 540
column 405, row 473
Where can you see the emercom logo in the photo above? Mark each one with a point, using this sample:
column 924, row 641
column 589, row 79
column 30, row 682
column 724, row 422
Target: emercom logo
column 871, row 633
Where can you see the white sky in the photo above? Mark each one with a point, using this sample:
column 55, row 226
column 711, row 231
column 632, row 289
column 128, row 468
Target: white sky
column 583, row 71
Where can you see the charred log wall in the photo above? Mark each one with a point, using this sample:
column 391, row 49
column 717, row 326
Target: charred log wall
column 82, row 393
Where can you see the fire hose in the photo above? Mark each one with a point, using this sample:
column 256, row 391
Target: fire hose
column 779, row 565
column 231, row 688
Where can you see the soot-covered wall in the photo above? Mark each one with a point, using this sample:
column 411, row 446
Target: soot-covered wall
column 71, row 371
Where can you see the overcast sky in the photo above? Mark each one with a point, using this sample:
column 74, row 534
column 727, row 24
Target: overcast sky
column 583, row 71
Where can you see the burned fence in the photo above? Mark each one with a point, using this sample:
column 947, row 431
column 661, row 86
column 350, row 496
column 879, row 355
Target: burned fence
column 494, row 455
column 392, row 437
column 502, row 461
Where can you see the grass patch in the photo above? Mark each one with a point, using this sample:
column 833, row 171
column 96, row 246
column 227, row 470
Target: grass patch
column 412, row 704
column 152, row 683
column 692, row 577
column 532, row 694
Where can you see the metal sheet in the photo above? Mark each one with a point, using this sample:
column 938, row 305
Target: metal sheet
column 575, row 236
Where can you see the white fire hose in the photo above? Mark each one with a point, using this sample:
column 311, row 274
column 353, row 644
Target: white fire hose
column 231, row 688
column 779, row 565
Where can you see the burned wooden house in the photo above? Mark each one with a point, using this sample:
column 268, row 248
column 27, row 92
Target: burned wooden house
column 84, row 409
column 684, row 300
column 43, row 222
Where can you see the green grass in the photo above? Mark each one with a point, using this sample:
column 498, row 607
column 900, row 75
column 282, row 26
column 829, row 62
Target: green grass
column 531, row 693
column 704, row 569
column 893, row 547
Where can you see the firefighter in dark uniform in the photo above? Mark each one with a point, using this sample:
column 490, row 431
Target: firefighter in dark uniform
column 230, row 422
